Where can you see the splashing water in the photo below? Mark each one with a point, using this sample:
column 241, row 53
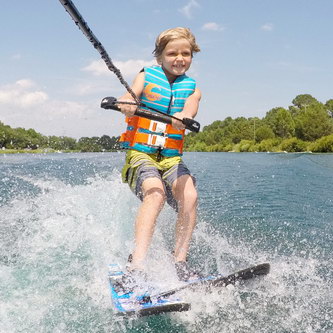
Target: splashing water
column 64, row 218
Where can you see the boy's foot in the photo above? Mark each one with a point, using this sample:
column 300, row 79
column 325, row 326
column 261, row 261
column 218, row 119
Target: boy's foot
column 184, row 272
column 131, row 281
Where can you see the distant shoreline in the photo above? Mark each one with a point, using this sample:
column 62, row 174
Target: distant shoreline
column 51, row 151
column 36, row 151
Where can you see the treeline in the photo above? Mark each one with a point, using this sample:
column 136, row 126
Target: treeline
column 22, row 139
column 307, row 125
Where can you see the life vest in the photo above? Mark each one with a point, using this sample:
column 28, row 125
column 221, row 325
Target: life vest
column 151, row 136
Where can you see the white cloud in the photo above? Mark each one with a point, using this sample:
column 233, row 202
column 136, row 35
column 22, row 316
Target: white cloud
column 23, row 104
column 23, row 93
column 65, row 118
column 87, row 88
column 33, row 98
column 132, row 67
column 188, row 8
column 213, row 26
column 97, row 68
column 267, row 27
column 127, row 68
column 25, row 83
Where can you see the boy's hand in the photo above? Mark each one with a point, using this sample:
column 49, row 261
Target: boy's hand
column 177, row 124
column 127, row 109
column 137, row 87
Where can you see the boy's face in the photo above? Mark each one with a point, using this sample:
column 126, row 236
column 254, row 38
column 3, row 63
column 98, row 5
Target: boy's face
column 176, row 58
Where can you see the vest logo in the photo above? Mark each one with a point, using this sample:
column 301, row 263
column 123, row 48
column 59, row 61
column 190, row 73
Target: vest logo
column 152, row 92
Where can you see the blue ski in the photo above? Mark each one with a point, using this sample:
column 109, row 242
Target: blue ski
column 145, row 303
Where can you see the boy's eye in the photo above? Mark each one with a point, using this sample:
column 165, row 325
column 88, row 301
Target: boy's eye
column 175, row 54
column 171, row 54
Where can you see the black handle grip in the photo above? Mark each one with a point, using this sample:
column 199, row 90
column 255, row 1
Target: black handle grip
column 163, row 118
column 190, row 124
column 109, row 103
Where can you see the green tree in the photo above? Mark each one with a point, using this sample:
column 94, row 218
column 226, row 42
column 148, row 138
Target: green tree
column 323, row 145
column 106, row 142
column 313, row 123
column 304, row 100
column 86, row 144
column 109, row 143
column 281, row 122
column 268, row 145
column 293, row 145
column 329, row 107
column 4, row 135
column 240, row 129
column 68, row 143
column 200, row 146
column 36, row 139
column 264, row 132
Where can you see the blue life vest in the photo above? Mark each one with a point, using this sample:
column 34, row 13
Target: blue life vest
column 152, row 136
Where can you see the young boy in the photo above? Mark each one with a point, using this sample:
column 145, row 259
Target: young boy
column 154, row 169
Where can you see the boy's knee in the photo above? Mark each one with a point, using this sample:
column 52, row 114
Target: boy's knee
column 191, row 196
column 155, row 195
column 188, row 201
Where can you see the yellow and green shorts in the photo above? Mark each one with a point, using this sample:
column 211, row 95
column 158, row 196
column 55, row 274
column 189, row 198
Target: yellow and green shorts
column 140, row 166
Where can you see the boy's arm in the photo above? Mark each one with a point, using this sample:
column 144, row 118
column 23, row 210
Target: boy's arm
column 190, row 109
column 137, row 88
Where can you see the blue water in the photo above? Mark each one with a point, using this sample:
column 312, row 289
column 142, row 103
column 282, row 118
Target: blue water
column 65, row 217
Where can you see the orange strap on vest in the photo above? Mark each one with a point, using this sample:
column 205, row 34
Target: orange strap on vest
column 133, row 136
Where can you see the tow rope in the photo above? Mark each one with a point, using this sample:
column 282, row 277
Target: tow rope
column 111, row 102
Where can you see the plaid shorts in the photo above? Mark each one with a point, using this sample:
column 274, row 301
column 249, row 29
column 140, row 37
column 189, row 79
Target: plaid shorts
column 140, row 166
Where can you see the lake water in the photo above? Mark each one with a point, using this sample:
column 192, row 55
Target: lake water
column 65, row 217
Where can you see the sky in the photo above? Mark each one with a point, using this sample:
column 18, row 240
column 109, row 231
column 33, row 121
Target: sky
column 255, row 55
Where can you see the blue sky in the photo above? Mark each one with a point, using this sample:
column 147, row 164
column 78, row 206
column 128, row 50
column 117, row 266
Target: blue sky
column 255, row 55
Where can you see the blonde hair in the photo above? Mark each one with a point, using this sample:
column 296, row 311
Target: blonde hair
column 172, row 34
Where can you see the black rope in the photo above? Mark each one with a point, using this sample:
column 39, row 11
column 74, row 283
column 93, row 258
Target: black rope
column 83, row 26
column 69, row 6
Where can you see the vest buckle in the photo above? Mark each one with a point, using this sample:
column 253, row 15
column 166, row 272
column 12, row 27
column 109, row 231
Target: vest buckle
column 156, row 140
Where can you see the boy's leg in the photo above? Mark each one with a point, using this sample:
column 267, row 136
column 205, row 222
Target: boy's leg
column 152, row 203
column 186, row 195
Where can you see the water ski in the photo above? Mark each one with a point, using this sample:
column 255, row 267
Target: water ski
column 139, row 302
column 150, row 302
